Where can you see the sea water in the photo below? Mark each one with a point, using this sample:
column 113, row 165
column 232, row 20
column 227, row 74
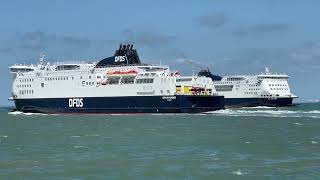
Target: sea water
column 244, row 143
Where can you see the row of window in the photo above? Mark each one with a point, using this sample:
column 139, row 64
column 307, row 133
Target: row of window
column 277, row 85
column 235, row 79
column 23, row 85
column 255, row 89
column 26, row 80
column 250, row 93
column 143, row 81
column 88, row 83
column 23, row 92
column 61, row 78
column 273, row 78
column 163, row 80
column 57, row 79
column 161, row 91
column 225, row 82
column 220, row 88
column 253, row 85
column 267, row 95
column 279, row 88
column 184, row 80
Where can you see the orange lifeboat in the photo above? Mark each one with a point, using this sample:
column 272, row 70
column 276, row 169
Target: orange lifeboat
column 118, row 73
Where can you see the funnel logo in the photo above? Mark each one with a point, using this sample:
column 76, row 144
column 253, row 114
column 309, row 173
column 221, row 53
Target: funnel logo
column 119, row 58
column 76, row 102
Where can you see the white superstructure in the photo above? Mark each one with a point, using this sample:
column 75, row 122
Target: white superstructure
column 120, row 83
column 264, row 85
column 68, row 79
column 264, row 89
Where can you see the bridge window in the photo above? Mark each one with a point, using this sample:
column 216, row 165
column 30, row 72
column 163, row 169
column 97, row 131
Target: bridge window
column 184, row 80
column 220, row 88
column 127, row 80
column 144, row 81
column 67, row 67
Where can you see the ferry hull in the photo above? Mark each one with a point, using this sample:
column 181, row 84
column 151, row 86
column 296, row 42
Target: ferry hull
column 134, row 104
column 251, row 102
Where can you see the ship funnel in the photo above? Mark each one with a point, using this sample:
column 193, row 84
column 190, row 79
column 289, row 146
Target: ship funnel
column 120, row 47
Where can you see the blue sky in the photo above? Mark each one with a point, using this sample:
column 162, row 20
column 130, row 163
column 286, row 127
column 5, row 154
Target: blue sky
column 229, row 37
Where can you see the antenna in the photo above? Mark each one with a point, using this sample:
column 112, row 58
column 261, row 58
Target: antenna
column 42, row 58
column 267, row 70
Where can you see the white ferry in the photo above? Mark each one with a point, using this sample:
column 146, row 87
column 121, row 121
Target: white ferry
column 117, row 84
column 264, row 89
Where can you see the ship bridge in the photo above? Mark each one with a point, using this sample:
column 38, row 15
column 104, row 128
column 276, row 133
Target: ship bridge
column 273, row 76
column 268, row 75
column 21, row 68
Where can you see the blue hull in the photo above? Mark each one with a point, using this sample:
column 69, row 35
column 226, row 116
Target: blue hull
column 134, row 104
column 251, row 102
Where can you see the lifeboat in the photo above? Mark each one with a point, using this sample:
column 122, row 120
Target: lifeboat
column 122, row 73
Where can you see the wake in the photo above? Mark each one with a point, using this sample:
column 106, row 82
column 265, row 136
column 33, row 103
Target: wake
column 269, row 112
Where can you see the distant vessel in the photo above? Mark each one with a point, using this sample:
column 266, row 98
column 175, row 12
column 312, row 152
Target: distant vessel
column 264, row 89
column 117, row 84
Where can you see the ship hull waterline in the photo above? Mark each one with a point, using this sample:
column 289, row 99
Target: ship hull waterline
column 254, row 102
column 129, row 104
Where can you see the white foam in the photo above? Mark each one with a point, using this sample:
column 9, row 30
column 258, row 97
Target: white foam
column 75, row 136
column 15, row 113
column 313, row 112
column 4, row 136
column 247, row 142
column 92, row 135
column 313, row 101
column 314, row 142
column 266, row 112
column 298, row 124
column 239, row 173
column 23, row 113
column 260, row 107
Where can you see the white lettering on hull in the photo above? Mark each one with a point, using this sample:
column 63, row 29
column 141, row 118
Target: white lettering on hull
column 76, row 102
column 169, row 98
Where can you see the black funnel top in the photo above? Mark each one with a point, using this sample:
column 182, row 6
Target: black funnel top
column 207, row 73
column 125, row 55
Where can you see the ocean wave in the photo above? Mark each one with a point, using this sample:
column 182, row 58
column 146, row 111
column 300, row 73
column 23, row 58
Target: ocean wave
column 4, row 136
column 254, row 111
column 23, row 113
column 267, row 112
column 314, row 112
column 239, row 173
column 260, row 107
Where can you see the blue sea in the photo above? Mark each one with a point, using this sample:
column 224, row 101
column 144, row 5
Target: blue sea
column 245, row 143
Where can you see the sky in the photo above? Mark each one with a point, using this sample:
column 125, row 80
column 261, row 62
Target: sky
column 226, row 36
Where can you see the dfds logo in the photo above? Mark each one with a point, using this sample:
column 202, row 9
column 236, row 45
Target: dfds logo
column 76, row 102
column 119, row 58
